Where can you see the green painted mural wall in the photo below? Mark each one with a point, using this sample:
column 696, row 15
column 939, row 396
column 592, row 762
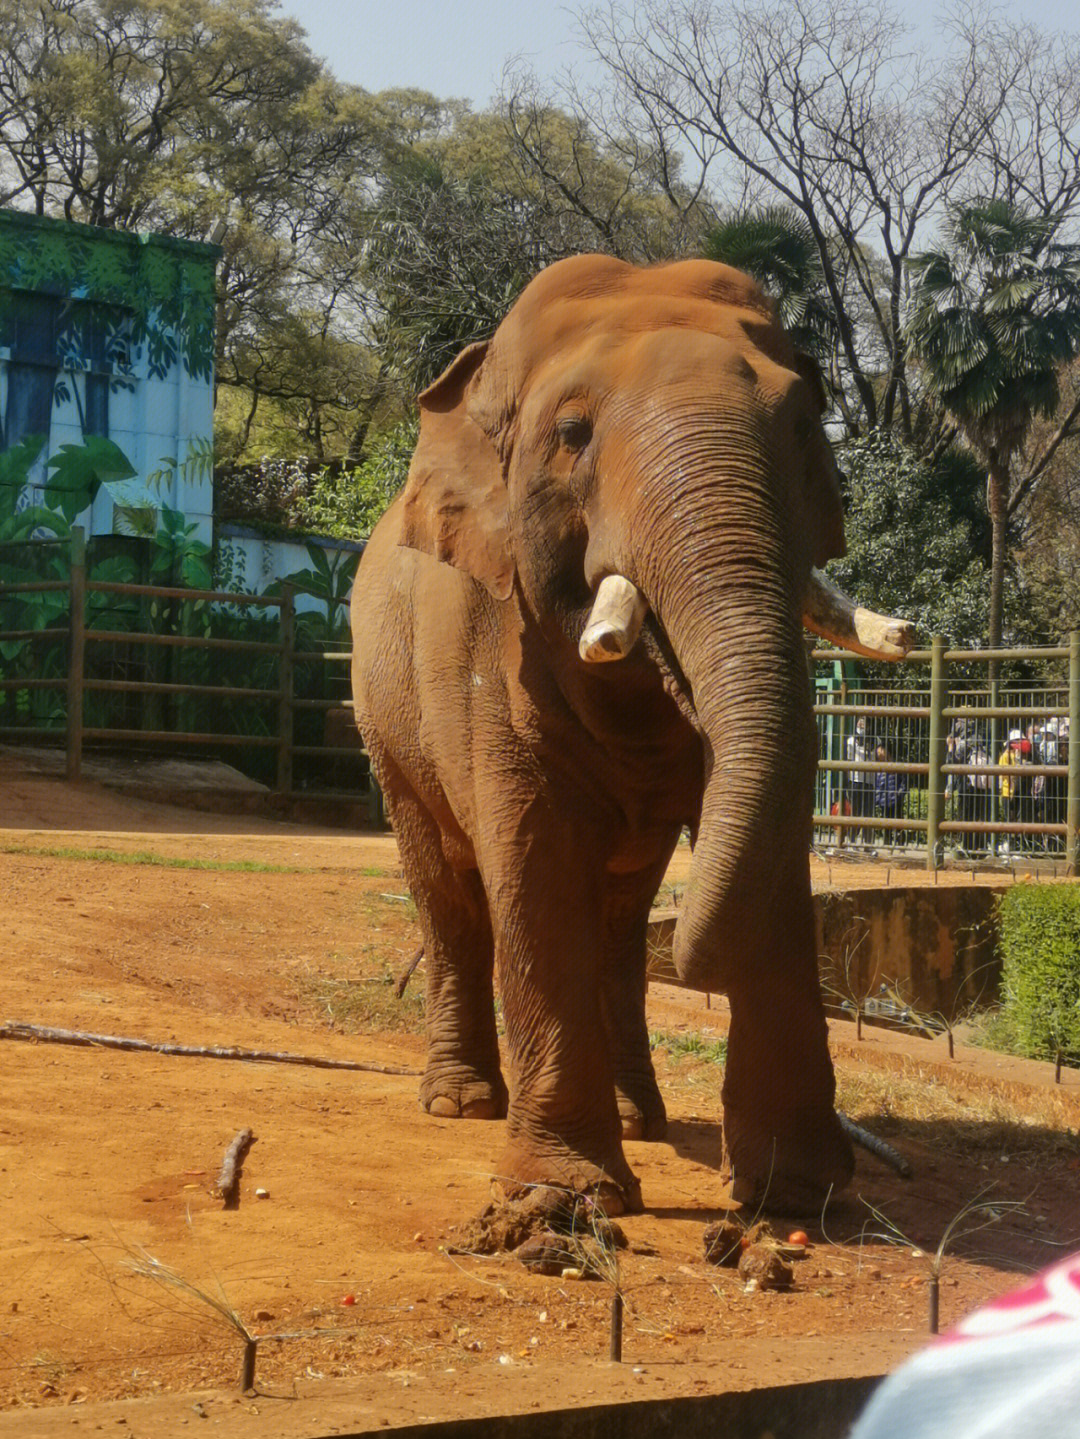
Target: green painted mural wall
column 106, row 386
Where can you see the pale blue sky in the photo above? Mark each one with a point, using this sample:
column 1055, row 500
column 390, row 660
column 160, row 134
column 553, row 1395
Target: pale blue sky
column 457, row 48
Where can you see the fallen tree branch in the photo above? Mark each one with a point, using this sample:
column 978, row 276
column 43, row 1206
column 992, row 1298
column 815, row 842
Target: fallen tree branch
column 35, row 1032
column 407, row 973
column 229, row 1178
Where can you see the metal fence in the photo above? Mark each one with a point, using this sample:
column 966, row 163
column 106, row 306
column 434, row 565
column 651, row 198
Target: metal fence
column 95, row 662
column 959, row 754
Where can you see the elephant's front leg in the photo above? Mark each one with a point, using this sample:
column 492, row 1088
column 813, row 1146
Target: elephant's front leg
column 563, row 1125
column 783, row 1138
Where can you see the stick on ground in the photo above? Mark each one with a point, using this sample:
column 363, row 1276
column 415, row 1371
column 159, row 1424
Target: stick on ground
column 40, row 1033
column 407, row 973
column 875, row 1145
column 229, row 1179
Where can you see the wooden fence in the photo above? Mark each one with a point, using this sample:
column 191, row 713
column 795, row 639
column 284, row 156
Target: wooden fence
column 81, row 670
column 264, row 717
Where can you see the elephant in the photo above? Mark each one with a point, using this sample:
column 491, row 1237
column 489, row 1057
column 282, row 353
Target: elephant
column 577, row 631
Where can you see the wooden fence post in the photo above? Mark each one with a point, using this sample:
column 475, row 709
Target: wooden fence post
column 76, row 652
column 935, row 793
column 1072, row 803
column 285, row 702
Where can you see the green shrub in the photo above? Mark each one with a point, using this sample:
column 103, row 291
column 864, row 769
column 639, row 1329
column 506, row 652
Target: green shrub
column 1040, row 949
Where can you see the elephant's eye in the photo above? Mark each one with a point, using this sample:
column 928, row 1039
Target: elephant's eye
column 574, row 431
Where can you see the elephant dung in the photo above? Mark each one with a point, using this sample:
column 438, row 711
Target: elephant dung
column 762, row 1262
column 544, row 1254
column 726, row 1239
column 546, row 1229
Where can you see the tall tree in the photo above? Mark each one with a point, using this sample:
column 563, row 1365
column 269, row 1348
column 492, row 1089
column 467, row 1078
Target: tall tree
column 172, row 115
column 831, row 108
column 776, row 245
column 474, row 205
column 993, row 316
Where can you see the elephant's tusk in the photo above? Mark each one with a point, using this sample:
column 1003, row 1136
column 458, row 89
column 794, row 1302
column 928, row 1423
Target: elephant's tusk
column 614, row 621
column 830, row 613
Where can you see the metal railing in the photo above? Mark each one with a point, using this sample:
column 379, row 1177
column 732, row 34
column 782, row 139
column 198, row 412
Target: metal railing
column 947, row 759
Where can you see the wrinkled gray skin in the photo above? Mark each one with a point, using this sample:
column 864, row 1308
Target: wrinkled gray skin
column 655, row 424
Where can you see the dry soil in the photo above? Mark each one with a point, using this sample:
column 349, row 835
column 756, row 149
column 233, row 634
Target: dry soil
column 122, row 1278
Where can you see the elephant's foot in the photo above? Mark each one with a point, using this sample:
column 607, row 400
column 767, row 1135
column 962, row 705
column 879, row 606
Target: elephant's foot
column 642, row 1115
column 792, row 1173
column 462, row 1094
column 613, row 1185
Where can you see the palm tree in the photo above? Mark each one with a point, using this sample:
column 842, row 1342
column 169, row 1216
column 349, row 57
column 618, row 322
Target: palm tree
column 993, row 314
column 776, row 245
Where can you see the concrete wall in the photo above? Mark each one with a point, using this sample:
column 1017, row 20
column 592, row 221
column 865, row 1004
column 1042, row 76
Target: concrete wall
column 936, row 946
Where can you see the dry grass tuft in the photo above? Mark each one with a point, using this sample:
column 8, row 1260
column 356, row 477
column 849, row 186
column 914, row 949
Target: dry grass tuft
column 924, row 1106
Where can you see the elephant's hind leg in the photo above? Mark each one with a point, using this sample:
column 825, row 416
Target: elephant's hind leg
column 463, row 1078
column 623, row 986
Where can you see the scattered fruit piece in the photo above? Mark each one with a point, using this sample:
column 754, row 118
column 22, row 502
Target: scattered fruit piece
column 798, row 1236
column 349, row 1299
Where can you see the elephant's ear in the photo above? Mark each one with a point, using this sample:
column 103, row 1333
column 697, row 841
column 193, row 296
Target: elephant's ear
column 455, row 498
column 822, row 476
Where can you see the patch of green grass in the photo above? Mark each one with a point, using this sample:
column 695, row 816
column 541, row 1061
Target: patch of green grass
column 693, row 1046
column 163, row 861
column 669, row 895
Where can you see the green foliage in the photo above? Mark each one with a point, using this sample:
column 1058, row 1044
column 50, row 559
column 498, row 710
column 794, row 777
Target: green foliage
column 178, row 557
column 911, row 550
column 347, row 504
column 993, row 314
column 80, row 470
column 776, row 245
column 1040, row 949
column 165, row 289
column 329, row 579
column 197, row 467
column 15, row 465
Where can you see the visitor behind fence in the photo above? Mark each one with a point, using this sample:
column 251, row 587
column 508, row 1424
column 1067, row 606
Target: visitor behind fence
column 1014, row 790
column 972, row 792
column 890, row 790
column 862, row 783
column 1055, row 746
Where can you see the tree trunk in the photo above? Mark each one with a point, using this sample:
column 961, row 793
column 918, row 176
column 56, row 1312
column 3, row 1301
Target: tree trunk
column 997, row 502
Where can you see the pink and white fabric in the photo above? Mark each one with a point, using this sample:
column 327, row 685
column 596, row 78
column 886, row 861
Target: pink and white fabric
column 1008, row 1371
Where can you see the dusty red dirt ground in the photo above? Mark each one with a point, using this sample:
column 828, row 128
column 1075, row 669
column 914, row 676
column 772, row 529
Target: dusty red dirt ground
column 108, row 1161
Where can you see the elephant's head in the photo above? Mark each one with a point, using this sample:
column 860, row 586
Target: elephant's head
column 638, row 440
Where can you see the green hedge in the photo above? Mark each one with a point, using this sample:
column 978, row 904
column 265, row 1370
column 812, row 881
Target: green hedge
column 1040, row 980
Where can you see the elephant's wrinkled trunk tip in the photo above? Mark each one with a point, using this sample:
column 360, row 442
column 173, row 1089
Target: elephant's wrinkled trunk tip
column 614, row 621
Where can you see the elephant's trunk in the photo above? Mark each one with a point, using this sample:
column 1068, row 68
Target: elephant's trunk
column 750, row 864
column 731, row 609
